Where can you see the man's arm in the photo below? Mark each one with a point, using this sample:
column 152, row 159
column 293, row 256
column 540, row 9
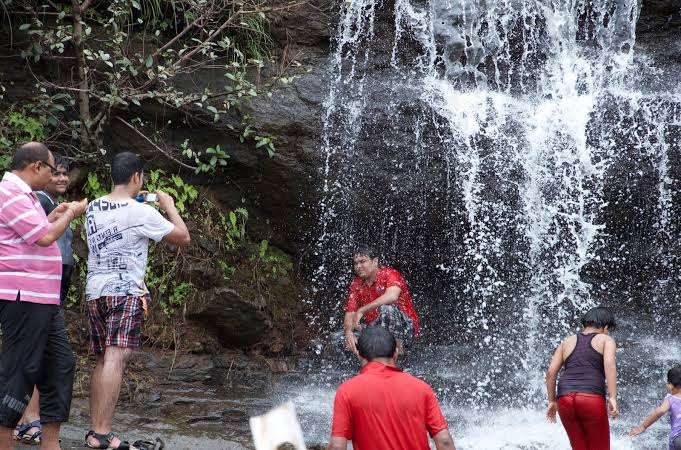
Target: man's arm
column 444, row 441
column 179, row 234
column 338, row 443
column 74, row 209
column 348, row 328
column 389, row 297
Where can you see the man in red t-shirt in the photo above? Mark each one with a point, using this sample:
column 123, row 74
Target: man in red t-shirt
column 381, row 296
column 383, row 408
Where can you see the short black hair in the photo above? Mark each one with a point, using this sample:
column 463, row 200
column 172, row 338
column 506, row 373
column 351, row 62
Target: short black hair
column 365, row 250
column 674, row 376
column 60, row 160
column 28, row 154
column 376, row 342
column 124, row 166
column 599, row 317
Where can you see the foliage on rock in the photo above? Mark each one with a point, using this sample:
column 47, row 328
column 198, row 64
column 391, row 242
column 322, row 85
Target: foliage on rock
column 113, row 56
column 222, row 254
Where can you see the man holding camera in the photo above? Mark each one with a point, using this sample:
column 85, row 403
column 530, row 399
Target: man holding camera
column 118, row 231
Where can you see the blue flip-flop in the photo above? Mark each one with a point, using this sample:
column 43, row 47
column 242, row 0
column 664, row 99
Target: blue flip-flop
column 31, row 439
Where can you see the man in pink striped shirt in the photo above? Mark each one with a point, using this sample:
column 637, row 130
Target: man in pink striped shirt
column 35, row 347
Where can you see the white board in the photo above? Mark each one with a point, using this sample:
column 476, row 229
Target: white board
column 278, row 426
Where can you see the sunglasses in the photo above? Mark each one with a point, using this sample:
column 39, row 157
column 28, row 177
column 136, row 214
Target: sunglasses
column 54, row 169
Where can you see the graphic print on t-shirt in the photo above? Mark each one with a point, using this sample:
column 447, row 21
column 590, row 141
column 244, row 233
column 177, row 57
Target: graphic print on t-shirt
column 118, row 236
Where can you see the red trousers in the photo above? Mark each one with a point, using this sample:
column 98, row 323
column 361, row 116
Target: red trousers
column 585, row 418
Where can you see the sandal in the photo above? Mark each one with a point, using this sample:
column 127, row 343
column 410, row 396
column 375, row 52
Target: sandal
column 105, row 441
column 26, row 438
column 148, row 445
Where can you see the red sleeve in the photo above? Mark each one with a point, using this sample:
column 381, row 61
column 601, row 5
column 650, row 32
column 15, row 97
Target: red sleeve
column 352, row 304
column 393, row 278
column 435, row 421
column 342, row 416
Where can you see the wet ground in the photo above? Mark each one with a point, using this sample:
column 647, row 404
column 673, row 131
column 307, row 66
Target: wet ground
column 204, row 402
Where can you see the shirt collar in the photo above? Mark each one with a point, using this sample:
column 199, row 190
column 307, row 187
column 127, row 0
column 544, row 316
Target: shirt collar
column 378, row 367
column 25, row 188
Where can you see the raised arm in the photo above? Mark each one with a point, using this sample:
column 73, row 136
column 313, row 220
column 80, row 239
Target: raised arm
column 611, row 374
column 62, row 220
column 551, row 375
column 179, row 234
column 651, row 419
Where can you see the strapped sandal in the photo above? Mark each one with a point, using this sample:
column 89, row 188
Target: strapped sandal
column 26, row 438
column 105, row 441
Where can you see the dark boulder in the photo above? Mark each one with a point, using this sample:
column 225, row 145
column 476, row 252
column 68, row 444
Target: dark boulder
column 236, row 320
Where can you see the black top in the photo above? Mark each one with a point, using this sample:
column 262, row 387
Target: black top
column 583, row 371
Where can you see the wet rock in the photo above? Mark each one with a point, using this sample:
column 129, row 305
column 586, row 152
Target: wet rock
column 236, row 320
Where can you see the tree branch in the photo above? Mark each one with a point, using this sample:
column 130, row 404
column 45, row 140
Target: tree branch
column 144, row 136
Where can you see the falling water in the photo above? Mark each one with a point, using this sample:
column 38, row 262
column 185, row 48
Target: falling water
column 484, row 151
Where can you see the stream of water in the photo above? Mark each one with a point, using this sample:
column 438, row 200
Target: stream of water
column 510, row 158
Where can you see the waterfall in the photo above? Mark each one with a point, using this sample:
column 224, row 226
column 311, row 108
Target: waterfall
column 480, row 145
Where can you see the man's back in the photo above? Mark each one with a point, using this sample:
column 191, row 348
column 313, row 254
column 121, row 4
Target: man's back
column 386, row 409
column 118, row 234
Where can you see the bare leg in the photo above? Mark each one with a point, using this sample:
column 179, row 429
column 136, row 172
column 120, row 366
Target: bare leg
column 50, row 436
column 6, row 439
column 105, row 386
column 32, row 412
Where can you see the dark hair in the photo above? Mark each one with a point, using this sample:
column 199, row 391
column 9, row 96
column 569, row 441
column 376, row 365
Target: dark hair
column 60, row 160
column 28, row 154
column 674, row 376
column 376, row 342
column 599, row 317
column 365, row 250
column 124, row 166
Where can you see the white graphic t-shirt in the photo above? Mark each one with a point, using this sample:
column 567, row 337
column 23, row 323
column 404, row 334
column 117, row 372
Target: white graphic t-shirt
column 118, row 234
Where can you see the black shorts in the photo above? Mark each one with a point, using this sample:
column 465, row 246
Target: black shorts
column 35, row 352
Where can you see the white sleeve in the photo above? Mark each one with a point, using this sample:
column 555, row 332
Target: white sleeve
column 154, row 225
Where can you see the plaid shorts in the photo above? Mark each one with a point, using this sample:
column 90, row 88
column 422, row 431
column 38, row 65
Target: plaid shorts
column 116, row 322
column 397, row 322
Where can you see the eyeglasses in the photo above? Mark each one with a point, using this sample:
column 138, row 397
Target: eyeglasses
column 54, row 169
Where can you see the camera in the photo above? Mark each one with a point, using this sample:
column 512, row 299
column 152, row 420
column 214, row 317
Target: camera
column 147, row 198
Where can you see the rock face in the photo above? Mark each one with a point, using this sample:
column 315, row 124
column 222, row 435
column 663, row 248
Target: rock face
column 237, row 321
column 277, row 190
column 283, row 192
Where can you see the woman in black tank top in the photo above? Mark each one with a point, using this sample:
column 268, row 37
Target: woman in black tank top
column 588, row 364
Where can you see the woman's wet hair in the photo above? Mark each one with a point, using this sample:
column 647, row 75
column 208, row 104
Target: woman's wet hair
column 599, row 317
column 376, row 342
column 674, row 376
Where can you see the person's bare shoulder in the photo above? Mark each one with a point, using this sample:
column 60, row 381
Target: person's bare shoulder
column 568, row 345
column 600, row 341
column 569, row 341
